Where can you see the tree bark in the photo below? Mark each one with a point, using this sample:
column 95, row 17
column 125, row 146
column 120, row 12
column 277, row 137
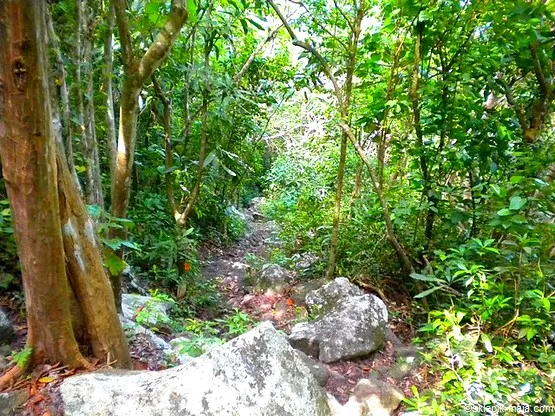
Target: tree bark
column 107, row 75
column 55, row 237
column 85, row 99
column 27, row 148
column 67, row 126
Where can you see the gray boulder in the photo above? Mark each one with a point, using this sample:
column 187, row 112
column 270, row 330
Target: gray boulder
column 256, row 374
column 10, row 402
column 300, row 290
column 272, row 279
column 318, row 370
column 146, row 310
column 355, row 328
column 7, row 333
column 325, row 299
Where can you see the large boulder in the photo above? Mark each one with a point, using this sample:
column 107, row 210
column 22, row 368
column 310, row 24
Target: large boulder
column 7, row 333
column 355, row 328
column 323, row 300
column 318, row 370
column 146, row 310
column 256, row 374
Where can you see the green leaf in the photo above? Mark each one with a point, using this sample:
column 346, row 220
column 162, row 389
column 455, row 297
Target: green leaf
column 427, row 292
column 255, row 24
column 425, row 278
column 94, row 211
column 22, row 357
column 229, row 171
column 517, row 203
column 114, row 264
column 209, row 158
column 192, row 9
column 165, row 171
column 244, row 25
column 113, row 243
column 487, row 342
column 504, row 212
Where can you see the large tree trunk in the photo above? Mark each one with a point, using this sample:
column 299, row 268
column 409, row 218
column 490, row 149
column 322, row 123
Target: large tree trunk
column 28, row 152
column 87, row 275
column 41, row 189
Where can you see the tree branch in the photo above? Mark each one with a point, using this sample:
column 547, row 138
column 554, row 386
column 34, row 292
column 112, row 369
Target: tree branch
column 159, row 49
column 309, row 48
column 124, row 32
column 237, row 78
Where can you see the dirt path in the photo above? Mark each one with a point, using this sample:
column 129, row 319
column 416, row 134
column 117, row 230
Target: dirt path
column 230, row 267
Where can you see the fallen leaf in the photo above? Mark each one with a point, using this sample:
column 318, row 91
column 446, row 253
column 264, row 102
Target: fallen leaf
column 46, row 380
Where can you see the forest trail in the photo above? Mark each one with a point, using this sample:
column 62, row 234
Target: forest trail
column 232, row 266
column 228, row 265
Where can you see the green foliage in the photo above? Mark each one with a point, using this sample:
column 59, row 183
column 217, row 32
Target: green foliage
column 198, row 345
column 9, row 266
column 237, row 324
column 477, row 370
column 21, row 358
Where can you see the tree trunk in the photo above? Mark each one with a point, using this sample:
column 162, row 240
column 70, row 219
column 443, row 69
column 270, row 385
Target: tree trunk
column 332, row 260
column 41, row 190
column 345, row 110
column 27, row 148
column 135, row 72
column 107, row 74
column 67, row 126
column 87, row 275
column 85, row 99
column 184, row 216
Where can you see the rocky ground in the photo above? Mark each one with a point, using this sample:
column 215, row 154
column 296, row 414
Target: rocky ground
column 278, row 295
column 356, row 343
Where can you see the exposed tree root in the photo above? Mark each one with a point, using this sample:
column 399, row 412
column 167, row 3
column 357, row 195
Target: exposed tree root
column 12, row 376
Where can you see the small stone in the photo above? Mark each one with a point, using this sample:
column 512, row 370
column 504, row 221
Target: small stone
column 4, row 363
column 10, row 402
column 272, row 279
column 7, row 333
column 381, row 398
